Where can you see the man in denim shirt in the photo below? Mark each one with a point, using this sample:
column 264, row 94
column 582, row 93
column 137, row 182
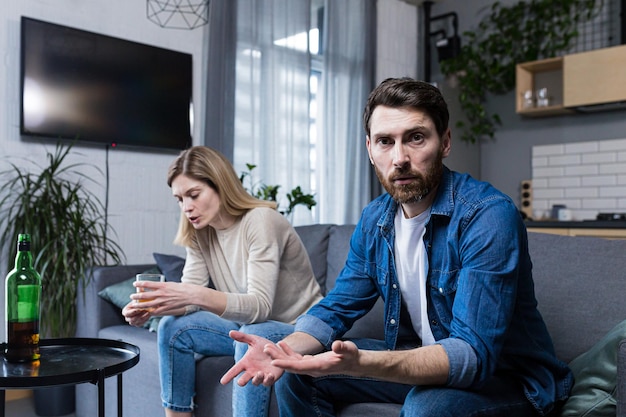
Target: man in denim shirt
column 449, row 256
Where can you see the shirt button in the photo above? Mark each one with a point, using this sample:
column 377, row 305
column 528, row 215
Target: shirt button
column 392, row 321
column 395, row 287
column 441, row 290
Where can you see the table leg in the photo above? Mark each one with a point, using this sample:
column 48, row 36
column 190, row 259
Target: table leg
column 100, row 393
column 119, row 395
column 2, row 402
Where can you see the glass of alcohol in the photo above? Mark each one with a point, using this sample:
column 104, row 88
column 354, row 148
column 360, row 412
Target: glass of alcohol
column 148, row 277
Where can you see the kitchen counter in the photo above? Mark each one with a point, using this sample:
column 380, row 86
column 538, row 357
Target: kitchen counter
column 615, row 229
column 582, row 224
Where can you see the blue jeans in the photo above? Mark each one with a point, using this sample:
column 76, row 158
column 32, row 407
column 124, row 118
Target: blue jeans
column 305, row 396
column 183, row 338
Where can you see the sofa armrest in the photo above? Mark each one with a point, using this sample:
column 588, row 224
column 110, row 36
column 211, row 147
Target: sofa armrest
column 95, row 313
column 621, row 379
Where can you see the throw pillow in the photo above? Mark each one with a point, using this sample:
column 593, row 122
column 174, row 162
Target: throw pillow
column 170, row 265
column 595, row 378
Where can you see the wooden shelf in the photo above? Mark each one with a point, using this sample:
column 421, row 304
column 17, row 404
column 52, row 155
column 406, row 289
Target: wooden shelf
column 589, row 78
column 531, row 76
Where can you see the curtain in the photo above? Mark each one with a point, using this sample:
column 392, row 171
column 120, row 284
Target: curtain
column 219, row 79
column 258, row 97
column 272, row 95
column 345, row 175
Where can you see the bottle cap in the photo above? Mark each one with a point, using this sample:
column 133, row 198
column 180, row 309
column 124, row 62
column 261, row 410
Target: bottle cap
column 23, row 242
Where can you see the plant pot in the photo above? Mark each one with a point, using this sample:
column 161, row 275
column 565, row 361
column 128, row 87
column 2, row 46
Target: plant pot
column 55, row 401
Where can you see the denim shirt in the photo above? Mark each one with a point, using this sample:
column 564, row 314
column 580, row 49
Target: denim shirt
column 480, row 293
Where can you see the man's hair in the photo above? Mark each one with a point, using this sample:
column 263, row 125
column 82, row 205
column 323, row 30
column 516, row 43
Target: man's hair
column 211, row 167
column 407, row 92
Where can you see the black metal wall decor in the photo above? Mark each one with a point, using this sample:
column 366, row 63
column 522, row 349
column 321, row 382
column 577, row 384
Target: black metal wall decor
column 447, row 46
column 178, row 14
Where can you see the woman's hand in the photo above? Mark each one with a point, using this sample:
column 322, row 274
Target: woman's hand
column 162, row 298
column 135, row 314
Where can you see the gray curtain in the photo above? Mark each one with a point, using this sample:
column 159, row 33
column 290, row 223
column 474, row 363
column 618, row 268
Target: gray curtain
column 346, row 177
column 219, row 76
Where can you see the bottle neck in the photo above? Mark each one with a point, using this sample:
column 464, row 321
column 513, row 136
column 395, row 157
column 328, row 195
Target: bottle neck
column 23, row 258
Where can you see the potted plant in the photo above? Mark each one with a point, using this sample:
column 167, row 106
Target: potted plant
column 68, row 228
column 270, row 192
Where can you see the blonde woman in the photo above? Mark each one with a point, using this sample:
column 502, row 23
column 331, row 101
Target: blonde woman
column 246, row 269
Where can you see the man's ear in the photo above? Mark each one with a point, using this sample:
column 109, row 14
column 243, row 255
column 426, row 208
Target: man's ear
column 369, row 153
column 446, row 143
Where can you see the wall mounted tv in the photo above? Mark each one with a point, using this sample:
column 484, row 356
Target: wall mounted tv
column 89, row 87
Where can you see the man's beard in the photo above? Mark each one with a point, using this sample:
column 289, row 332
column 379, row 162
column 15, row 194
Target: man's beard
column 421, row 186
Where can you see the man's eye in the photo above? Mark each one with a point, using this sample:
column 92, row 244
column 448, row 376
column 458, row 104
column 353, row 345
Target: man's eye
column 384, row 141
column 417, row 137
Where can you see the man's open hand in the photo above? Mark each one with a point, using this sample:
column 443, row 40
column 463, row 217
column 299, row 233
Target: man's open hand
column 255, row 365
column 343, row 358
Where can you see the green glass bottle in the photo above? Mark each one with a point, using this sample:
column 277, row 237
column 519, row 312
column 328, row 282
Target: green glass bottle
column 22, row 304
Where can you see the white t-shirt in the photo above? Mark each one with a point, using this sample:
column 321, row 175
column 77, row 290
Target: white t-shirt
column 412, row 269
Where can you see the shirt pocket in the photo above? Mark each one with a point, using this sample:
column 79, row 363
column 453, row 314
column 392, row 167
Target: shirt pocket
column 442, row 287
column 372, row 269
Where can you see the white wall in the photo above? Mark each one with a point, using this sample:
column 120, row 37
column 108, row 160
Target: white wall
column 141, row 209
column 587, row 177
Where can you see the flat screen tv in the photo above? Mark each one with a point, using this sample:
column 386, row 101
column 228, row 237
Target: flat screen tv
column 90, row 87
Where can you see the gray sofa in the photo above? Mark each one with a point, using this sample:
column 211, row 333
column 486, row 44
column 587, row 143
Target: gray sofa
column 579, row 283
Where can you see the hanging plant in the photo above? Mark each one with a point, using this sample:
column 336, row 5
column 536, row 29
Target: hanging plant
column 525, row 31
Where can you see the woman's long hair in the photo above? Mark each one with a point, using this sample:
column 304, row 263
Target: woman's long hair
column 208, row 165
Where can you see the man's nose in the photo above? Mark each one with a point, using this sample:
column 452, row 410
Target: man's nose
column 400, row 156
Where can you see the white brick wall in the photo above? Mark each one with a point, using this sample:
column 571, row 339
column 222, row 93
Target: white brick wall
column 587, row 177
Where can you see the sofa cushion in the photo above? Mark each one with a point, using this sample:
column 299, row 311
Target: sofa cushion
column 571, row 274
column 170, row 265
column 315, row 240
column 338, row 248
column 595, row 375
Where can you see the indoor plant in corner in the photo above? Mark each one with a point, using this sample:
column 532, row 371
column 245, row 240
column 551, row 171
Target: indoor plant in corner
column 69, row 232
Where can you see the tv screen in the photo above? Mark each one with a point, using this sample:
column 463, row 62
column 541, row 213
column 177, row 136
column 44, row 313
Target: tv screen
column 90, row 87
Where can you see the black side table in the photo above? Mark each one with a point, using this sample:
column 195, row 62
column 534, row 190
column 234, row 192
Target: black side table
column 72, row 361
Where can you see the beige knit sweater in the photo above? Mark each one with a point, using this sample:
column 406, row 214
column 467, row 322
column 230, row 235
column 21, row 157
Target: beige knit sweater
column 260, row 263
